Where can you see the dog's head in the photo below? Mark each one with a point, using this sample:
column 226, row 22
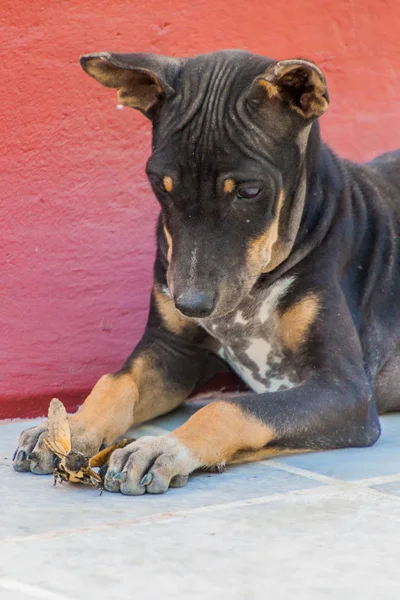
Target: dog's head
column 230, row 132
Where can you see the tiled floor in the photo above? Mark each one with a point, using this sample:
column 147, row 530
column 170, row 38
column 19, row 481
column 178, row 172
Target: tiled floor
column 324, row 525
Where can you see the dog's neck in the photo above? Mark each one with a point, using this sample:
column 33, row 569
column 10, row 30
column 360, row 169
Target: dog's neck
column 315, row 197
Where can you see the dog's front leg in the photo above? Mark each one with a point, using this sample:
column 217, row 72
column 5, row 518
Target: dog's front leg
column 333, row 408
column 162, row 371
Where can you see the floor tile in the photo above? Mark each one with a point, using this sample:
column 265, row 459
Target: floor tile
column 325, row 544
column 248, row 533
column 389, row 488
column 32, row 504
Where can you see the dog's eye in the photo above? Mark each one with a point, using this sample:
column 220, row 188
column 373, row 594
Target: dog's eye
column 159, row 185
column 247, row 193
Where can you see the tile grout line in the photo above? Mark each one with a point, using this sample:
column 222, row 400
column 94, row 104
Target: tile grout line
column 368, row 481
column 164, row 517
column 364, row 484
column 276, row 464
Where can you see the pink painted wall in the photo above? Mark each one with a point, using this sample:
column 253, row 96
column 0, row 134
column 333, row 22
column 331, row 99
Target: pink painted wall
column 76, row 213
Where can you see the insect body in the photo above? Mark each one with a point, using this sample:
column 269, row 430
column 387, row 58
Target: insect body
column 70, row 465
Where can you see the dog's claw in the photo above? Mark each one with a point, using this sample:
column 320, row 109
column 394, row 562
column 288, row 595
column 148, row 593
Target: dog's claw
column 120, row 477
column 20, row 462
column 21, row 456
column 147, row 479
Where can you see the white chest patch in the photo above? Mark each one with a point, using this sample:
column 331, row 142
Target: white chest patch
column 249, row 341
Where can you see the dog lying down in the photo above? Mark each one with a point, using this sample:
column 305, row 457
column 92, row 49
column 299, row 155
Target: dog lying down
column 276, row 259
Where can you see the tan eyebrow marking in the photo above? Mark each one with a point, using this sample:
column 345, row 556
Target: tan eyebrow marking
column 229, row 185
column 168, row 183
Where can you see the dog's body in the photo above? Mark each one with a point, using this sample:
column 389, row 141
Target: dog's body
column 273, row 256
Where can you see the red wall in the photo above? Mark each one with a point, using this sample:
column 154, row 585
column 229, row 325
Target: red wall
column 76, row 213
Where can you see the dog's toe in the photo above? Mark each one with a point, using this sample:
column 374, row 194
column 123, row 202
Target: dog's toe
column 151, row 464
column 32, row 453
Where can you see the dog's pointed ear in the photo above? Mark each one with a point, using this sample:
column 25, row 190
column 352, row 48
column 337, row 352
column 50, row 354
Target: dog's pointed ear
column 142, row 80
column 298, row 84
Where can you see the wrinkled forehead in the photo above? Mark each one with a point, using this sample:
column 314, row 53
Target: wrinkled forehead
column 218, row 76
column 207, row 115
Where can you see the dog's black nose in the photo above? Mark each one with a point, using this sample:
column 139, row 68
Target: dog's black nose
column 196, row 303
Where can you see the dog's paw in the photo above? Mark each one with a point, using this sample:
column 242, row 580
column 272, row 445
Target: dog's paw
column 32, row 453
column 151, row 464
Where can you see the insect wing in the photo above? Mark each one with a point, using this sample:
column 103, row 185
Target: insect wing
column 59, row 435
column 54, row 448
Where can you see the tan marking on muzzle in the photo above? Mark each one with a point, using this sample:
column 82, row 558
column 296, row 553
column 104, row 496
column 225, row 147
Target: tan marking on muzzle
column 168, row 184
column 172, row 319
column 169, row 242
column 264, row 252
column 295, row 323
column 229, row 185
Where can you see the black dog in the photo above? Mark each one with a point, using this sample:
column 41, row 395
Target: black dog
column 274, row 257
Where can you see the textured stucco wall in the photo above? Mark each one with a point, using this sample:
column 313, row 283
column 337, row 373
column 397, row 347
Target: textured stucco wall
column 76, row 212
